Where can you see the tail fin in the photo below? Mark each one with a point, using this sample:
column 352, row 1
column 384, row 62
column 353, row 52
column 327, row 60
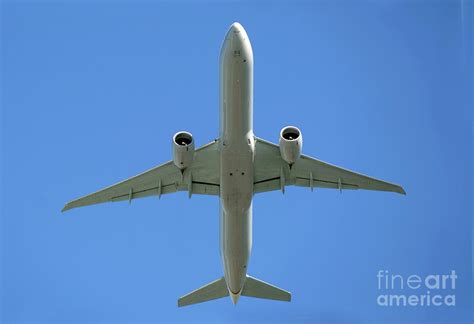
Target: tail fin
column 214, row 290
column 260, row 289
column 218, row 289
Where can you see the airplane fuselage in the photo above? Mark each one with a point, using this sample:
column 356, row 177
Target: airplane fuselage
column 237, row 148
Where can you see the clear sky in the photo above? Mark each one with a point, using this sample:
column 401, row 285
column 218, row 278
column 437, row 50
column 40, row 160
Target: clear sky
column 93, row 91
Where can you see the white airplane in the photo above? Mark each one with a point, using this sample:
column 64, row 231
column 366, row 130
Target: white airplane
column 234, row 167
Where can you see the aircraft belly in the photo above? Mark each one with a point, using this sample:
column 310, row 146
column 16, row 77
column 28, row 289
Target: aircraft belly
column 236, row 215
column 237, row 147
column 236, row 245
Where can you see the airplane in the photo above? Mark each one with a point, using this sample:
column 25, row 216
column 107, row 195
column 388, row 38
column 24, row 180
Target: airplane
column 235, row 167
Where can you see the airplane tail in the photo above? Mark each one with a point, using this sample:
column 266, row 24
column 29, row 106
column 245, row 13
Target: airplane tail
column 218, row 289
column 260, row 289
column 214, row 290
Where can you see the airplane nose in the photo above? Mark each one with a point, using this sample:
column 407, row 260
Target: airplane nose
column 236, row 33
column 236, row 46
column 236, row 27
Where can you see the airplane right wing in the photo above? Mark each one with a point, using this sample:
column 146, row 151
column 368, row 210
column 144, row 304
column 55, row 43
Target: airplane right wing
column 273, row 173
column 202, row 177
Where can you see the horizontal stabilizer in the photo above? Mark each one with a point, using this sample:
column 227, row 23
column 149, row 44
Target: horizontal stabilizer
column 214, row 290
column 260, row 289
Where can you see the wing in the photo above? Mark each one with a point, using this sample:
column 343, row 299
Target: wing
column 200, row 178
column 272, row 173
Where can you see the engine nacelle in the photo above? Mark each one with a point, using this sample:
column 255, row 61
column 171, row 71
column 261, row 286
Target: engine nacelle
column 183, row 149
column 291, row 144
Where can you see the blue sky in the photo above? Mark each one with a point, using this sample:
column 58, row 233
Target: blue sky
column 93, row 91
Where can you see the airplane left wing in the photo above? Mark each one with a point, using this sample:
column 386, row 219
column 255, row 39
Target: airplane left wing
column 202, row 177
column 273, row 173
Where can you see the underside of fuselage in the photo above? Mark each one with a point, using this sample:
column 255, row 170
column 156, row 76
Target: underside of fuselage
column 237, row 155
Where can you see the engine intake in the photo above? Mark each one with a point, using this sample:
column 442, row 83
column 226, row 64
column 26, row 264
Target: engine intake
column 183, row 149
column 291, row 144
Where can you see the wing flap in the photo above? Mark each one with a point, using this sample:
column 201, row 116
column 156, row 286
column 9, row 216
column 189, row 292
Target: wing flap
column 306, row 182
column 267, row 185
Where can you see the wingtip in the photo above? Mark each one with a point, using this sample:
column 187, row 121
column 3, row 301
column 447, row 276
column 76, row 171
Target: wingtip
column 401, row 191
column 65, row 208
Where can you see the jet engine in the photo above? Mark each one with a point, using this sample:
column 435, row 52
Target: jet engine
column 291, row 144
column 183, row 149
